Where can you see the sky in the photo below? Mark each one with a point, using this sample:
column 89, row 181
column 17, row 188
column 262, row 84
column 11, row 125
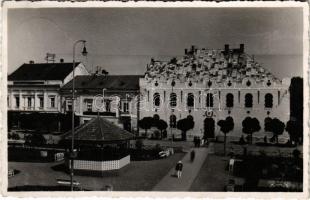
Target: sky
column 123, row 40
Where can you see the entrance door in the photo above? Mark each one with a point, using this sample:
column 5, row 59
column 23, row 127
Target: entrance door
column 209, row 127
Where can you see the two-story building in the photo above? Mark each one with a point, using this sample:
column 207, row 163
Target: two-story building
column 110, row 96
column 34, row 87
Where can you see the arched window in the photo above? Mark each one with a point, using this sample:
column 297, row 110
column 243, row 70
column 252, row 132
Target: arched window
column 229, row 100
column 190, row 100
column 173, row 121
column 248, row 100
column 268, row 100
column 173, row 99
column 156, row 99
column 209, row 100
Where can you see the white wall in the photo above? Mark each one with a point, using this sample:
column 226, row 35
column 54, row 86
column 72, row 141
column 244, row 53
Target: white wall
column 220, row 90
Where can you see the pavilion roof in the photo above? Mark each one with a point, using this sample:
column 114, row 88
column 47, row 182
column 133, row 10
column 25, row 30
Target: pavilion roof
column 99, row 130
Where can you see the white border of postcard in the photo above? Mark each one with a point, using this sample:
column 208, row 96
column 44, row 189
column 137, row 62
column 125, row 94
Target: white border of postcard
column 88, row 4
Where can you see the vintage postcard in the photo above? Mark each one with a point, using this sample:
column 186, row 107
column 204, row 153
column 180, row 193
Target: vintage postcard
column 155, row 99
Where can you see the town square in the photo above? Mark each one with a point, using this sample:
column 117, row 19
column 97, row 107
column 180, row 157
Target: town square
column 174, row 99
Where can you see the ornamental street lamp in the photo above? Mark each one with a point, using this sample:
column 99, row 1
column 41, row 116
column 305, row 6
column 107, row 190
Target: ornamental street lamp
column 73, row 153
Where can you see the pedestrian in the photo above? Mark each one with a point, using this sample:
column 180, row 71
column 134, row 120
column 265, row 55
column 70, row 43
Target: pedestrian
column 195, row 141
column 265, row 139
column 178, row 169
column 192, row 155
column 207, row 142
column 231, row 164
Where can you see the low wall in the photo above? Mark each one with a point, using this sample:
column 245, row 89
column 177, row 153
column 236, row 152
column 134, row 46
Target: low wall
column 100, row 165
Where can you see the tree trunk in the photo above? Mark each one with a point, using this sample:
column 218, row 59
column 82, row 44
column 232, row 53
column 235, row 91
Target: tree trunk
column 251, row 138
column 161, row 134
column 184, row 135
column 224, row 144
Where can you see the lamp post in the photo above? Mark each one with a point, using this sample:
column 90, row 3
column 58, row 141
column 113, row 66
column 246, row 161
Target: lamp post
column 73, row 153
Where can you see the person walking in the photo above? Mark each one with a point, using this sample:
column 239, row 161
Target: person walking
column 178, row 169
column 192, row 155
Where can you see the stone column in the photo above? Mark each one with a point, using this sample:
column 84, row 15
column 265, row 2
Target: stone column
column 80, row 105
column 117, row 106
column 21, row 102
column 35, row 103
column 45, row 100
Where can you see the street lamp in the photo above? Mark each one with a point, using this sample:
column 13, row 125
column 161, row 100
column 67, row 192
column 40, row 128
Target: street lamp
column 73, row 153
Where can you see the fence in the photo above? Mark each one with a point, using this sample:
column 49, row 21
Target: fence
column 100, row 165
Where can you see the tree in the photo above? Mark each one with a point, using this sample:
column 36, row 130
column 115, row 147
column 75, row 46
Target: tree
column 139, row 144
column 146, row 123
column 37, row 139
column 226, row 125
column 294, row 129
column 250, row 125
column 296, row 102
column 161, row 125
column 277, row 127
column 184, row 125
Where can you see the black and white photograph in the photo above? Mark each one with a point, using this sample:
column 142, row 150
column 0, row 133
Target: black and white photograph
column 156, row 98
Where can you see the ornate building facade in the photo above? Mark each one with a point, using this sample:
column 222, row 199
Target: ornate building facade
column 210, row 85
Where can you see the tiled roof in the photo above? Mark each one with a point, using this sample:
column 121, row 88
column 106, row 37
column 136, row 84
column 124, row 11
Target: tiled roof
column 206, row 64
column 42, row 71
column 111, row 82
column 99, row 130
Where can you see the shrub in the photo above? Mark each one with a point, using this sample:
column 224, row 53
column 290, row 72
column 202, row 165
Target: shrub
column 156, row 134
column 139, row 144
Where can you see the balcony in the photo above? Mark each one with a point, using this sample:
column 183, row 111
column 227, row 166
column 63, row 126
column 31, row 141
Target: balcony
column 28, row 108
column 100, row 113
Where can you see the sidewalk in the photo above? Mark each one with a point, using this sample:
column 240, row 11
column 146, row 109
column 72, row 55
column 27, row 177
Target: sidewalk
column 189, row 173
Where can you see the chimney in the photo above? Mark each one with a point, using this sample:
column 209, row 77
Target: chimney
column 31, row 62
column 226, row 48
column 61, row 60
column 241, row 48
column 193, row 48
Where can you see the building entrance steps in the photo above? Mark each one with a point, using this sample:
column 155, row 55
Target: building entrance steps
column 190, row 170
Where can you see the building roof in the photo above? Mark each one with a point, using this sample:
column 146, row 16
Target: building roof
column 99, row 130
column 209, row 64
column 42, row 71
column 110, row 82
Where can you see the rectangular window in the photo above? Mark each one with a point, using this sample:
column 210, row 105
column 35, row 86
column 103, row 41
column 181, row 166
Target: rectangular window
column 89, row 105
column 41, row 102
column 52, row 100
column 164, row 96
column 181, row 96
column 126, row 107
column 69, row 105
column 17, row 101
column 29, row 102
column 148, row 96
